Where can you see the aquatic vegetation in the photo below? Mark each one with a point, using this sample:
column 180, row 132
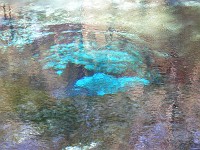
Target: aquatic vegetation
column 102, row 84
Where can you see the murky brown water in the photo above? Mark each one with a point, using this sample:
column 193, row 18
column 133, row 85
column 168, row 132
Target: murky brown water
column 46, row 47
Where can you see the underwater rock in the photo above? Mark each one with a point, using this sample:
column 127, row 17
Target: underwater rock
column 92, row 145
column 154, row 138
column 101, row 84
column 196, row 141
column 69, row 91
column 197, row 137
column 74, row 72
column 29, row 144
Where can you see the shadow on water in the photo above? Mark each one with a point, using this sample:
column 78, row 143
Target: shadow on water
column 78, row 85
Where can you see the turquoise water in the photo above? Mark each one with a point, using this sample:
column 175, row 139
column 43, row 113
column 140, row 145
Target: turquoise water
column 114, row 75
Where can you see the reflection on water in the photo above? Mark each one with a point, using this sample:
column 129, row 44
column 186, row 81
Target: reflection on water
column 112, row 75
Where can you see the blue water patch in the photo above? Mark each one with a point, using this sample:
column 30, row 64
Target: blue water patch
column 98, row 84
column 106, row 60
column 101, row 84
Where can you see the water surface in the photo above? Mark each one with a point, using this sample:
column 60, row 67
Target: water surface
column 114, row 75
